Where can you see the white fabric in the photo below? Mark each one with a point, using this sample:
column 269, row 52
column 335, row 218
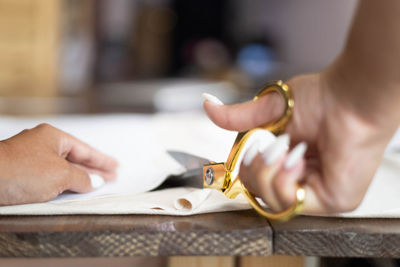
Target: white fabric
column 165, row 202
column 382, row 198
column 140, row 143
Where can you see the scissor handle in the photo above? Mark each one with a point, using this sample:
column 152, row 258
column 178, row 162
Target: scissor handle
column 283, row 89
column 284, row 215
column 276, row 127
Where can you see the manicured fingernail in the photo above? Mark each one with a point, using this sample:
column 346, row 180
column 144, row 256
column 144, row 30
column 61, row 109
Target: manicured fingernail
column 96, row 181
column 276, row 150
column 285, row 139
column 251, row 153
column 295, row 155
column 264, row 143
column 212, row 99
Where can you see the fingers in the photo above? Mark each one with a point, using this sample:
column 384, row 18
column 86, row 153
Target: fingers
column 274, row 174
column 289, row 177
column 244, row 116
column 89, row 158
column 75, row 151
column 78, row 180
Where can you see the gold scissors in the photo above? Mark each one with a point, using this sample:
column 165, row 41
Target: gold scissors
column 219, row 175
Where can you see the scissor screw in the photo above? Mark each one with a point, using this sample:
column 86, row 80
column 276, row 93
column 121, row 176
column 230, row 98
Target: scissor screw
column 209, row 176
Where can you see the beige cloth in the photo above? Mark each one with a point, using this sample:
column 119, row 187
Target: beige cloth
column 140, row 143
column 175, row 201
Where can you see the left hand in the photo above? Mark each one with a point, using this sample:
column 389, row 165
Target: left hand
column 38, row 164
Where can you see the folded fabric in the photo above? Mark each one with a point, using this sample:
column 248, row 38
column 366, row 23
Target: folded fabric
column 174, row 201
column 140, row 143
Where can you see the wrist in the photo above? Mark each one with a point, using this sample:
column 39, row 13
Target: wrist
column 354, row 110
column 369, row 97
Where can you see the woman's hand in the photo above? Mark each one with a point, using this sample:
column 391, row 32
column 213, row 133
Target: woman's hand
column 37, row 165
column 344, row 147
column 346, row 114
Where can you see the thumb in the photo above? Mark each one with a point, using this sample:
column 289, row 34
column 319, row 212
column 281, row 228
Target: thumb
column 244, row 116
column 78, row 180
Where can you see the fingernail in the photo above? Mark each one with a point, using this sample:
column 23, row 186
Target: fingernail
column 285, row 139
column 264, row 143
column 251, row 153
column 212, row 99
column 295, row 155
column 276, row 150
column 96, row 181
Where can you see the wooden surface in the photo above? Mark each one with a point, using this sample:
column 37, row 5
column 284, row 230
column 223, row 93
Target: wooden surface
column 202, row 262
column 337, row 237
column 229, row 233
column 85, row 262
column 271, row 261
column 246, row 261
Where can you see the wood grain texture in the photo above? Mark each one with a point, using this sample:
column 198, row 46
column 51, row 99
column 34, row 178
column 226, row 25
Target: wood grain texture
column 85, row 262
column 201, row 262
column 230, row 233
column 271, row 261
column 337, row 237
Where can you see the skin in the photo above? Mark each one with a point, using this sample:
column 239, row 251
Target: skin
column 40, row 163
column 346, row 114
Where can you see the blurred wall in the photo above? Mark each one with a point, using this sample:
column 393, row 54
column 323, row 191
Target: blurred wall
column 29, row 41
column 70, row 48
column 308, row 33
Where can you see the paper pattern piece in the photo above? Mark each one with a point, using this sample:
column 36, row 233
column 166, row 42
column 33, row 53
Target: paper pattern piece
column 140, row 142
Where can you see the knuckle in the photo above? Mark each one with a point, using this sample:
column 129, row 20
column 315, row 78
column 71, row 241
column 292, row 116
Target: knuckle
column 44, row 127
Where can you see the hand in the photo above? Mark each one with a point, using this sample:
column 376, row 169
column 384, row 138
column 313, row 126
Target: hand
column 38, row 164
column 345, row 148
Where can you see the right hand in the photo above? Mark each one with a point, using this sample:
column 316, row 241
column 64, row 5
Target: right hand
column 344, row 152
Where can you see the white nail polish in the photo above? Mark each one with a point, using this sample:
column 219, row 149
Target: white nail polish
column 295, row 155
column 276, row 150
column 264, row 143
column 212, row 99
column 251, row 153
column 285, row 139
column 96, row 181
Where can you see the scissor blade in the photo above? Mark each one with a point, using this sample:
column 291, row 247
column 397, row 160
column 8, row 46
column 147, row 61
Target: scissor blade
column 187, row 160
column 192, row 178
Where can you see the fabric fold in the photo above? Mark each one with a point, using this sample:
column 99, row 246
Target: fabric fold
column 192, row 200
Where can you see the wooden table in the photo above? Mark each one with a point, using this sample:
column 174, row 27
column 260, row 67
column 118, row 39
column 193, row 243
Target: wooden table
column 229, row 233
column 337, row 237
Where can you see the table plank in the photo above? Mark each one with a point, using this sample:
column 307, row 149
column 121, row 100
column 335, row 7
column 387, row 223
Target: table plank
column 228, row 233
column 337, row 237
column 272, row 261
column 201, row 261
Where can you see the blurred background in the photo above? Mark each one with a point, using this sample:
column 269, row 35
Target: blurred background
column 86, row 56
